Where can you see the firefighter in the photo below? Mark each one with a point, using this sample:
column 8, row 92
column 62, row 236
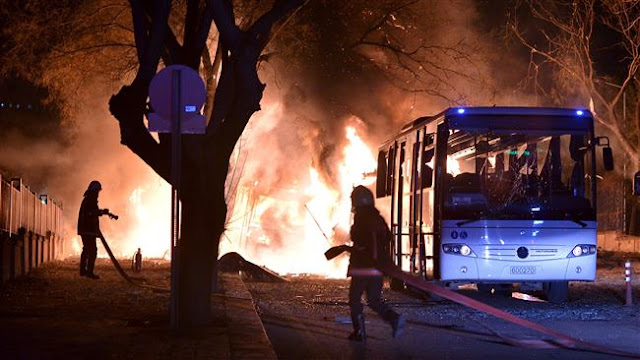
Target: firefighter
column 370, row 236
column 89, row 228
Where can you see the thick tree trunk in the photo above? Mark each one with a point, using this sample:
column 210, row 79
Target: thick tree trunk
column 195, row 265
column 203, row 214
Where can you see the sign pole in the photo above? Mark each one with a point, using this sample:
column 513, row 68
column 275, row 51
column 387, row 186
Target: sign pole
column 176, row 134
column 177, row 94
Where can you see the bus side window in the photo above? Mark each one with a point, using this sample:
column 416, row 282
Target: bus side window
column 427, row 168
column 428, row 151
column 391, row 164
column 381, row 179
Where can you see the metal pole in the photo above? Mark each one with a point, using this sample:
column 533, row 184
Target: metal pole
column 175, row 198
column 316, row 221
column 624, row 175
column 627, row 279
column 624, row 198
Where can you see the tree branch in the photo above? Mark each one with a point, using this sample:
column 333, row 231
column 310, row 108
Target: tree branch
column 151, row 55
column 128, row 107
column 203, row 32
column 230, row 34
column 139, row 29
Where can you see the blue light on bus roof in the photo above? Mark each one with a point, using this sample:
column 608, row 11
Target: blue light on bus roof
column 536, row 208
column 461, row 111
column 579, row 112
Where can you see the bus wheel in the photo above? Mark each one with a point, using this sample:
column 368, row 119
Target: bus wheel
column 556, row 291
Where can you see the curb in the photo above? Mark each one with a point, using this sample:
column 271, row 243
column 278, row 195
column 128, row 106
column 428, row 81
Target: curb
column 247, row 337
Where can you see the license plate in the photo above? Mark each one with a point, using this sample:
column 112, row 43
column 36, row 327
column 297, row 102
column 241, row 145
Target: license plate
column 523, row 270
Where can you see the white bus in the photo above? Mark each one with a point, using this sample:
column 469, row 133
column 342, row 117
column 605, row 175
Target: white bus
column 494, row 196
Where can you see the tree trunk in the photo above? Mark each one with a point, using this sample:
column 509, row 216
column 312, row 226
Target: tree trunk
column 203, row 214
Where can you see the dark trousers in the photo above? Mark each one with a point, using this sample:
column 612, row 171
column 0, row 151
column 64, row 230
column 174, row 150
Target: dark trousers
column 372, row 285
column 89, row 254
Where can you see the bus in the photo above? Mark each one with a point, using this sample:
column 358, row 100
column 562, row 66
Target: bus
column 494, row 196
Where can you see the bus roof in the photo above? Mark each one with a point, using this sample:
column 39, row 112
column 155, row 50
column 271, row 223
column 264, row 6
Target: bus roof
column 541, row 118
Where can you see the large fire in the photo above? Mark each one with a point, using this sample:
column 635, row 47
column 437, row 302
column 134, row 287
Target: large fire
column 289, row 230
column 286, row 230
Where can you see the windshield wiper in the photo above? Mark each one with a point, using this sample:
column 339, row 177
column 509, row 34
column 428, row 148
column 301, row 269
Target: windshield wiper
column 579, row 222
column 469, row 221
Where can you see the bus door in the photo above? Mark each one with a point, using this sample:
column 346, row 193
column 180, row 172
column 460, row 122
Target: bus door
column 415, row 258
column 440, row 175
column 424, row 204
column 401, row 207
column 420, row 216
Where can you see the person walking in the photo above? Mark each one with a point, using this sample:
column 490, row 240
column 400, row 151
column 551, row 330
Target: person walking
column 89, row 228
column 370, row 235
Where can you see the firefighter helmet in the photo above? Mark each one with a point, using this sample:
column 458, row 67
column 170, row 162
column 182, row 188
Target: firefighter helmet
column 94, row 186
column 361, row 196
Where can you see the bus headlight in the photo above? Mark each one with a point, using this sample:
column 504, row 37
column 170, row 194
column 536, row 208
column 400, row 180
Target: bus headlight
column 582, row 250
column 458, row 249
column 577, row 251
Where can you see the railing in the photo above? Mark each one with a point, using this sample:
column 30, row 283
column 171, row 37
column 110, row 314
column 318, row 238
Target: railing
column 30, row 229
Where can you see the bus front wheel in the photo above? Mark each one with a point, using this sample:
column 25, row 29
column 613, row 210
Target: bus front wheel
column 556, row 291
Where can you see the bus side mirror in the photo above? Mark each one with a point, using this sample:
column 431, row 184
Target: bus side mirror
column 607, row 158
column 607, row 154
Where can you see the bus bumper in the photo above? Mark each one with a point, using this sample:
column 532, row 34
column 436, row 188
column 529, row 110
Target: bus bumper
column 462, row 268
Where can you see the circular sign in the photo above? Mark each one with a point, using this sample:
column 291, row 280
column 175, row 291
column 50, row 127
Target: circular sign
column 191, row 87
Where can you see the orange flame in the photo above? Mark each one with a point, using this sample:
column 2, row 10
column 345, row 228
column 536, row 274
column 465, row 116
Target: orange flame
column 318, row 219
column 287, row 231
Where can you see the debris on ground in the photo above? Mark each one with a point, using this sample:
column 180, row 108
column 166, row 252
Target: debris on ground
column 235, row 263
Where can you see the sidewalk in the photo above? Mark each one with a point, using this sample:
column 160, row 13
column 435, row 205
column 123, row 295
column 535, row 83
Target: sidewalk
column 54, row 313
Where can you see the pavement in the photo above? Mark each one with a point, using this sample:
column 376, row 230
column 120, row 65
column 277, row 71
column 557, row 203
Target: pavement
column 309, row 319
column 54, row 313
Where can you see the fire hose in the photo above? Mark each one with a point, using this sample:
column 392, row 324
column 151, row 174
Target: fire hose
column 557, row 338
column 121, row 271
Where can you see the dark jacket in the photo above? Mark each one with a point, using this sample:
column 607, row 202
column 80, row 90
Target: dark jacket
column 371, row 242
column 88, row 223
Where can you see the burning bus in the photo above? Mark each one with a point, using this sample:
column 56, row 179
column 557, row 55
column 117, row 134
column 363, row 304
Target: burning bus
column 494, row 196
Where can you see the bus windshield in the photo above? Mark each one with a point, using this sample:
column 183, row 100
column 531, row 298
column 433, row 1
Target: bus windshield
column 519, row 175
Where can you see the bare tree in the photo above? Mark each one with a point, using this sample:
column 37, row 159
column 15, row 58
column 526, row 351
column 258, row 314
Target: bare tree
column 404, row 42
column 593, row 47
column 396, row 39
column 205, row 158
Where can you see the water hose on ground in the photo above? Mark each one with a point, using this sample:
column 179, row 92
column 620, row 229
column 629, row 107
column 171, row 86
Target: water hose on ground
column 121, row 271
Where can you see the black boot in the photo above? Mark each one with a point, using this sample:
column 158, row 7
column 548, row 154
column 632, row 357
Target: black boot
column 359, row 333
column 83, row 265
column 398, row 325
column 91, row 263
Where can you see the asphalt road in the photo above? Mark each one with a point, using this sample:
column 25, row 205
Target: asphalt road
column 308, row 319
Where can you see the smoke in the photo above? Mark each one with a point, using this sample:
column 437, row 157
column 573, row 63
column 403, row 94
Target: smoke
column 63, row 165
column 327, row 85
column 285, row 184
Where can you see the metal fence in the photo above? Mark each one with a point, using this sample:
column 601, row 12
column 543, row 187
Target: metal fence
column 30, row 229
